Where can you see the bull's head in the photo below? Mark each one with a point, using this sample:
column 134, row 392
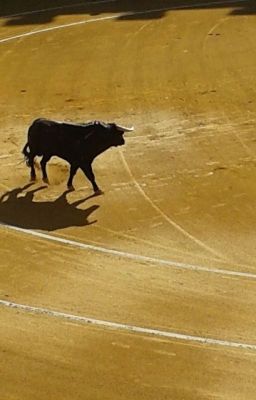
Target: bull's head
column 117, row 132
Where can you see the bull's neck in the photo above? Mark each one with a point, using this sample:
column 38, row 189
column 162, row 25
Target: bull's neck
column 96, row 147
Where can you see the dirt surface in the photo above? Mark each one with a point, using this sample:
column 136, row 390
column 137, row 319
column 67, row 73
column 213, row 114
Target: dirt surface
column 173, row 236
column 82, row 362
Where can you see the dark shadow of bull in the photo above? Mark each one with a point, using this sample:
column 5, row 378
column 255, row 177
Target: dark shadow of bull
column 26, row 13
column 20, row 210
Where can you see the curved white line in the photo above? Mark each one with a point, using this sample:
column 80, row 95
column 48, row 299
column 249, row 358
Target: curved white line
column 168, row 219
column 122, row 15
column 131, row 256
column 151, row 243
column 53, row 28
column 126, row 327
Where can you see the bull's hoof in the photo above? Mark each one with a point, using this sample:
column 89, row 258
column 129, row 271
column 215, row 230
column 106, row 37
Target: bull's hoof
column 46, row 180
column 98, row 192
column 32, row 179
column 71, row 188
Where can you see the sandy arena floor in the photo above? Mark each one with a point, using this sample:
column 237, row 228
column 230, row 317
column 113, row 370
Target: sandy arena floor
column 170, row 246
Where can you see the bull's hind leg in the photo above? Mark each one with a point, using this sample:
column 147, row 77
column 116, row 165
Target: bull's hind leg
column 29, row 158
column 32, row 168
column 43, row 163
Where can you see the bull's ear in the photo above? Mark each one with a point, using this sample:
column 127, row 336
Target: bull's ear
column 124, row 128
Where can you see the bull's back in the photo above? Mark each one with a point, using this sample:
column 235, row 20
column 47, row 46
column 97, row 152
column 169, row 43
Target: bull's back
column 46, row 137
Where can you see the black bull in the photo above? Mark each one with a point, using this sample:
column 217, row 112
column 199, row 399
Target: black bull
column 78, row 144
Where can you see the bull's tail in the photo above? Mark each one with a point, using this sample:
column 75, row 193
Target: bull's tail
column 26, row 153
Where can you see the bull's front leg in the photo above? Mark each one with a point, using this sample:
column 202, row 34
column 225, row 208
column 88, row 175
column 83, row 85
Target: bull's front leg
column 87, row 169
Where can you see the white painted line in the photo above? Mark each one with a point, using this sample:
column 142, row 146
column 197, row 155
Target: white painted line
column 131, row 256
column 125, row 327
column 53, row 28
column 122, row 15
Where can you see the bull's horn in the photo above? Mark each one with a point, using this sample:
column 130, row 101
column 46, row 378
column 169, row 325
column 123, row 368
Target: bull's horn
column 125, row 129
